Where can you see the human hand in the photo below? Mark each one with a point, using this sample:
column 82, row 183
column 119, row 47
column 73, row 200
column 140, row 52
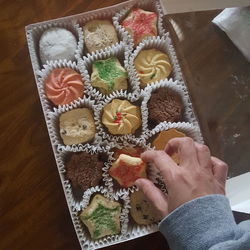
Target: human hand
column 198, row 174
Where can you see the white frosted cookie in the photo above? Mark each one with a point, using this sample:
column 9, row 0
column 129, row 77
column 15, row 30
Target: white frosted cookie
column 77, row 126
column 152, row 65
column 99, row 34
column 57, row 43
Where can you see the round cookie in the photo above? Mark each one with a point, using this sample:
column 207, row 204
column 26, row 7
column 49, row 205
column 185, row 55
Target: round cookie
column 140, row 24
column 141, row 210
column 84, row 170
column 152, row 65
column 99, row 34
column 57, row 43
column 63, row 85
column 164, row 105
column 108, row 75
column 121, row 117
column 77, row 126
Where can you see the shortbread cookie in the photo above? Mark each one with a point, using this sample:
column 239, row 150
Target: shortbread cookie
column 142, row 210
column 57, row 43
column 77, row 126
column 121, row 117
column 63, row 85
column 109, row 75
column 99, row 34
column 140, row 24
column 126, row 170
column 152, row 65
column 102, row 217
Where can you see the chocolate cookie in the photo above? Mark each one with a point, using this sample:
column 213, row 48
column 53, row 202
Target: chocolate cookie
column 84, row 170
column 165, row 105
column 141, row 210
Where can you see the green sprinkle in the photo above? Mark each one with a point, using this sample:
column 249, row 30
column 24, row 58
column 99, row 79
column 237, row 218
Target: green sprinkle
column 152, row 76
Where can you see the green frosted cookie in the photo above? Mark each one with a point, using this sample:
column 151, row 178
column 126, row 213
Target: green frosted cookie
column 108, row 75
column 102, row 217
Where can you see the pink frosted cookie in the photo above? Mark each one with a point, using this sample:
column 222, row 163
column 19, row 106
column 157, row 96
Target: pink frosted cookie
column 140, row 24
column 63, row 85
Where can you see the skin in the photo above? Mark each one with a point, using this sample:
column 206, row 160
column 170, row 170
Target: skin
column 197, row 175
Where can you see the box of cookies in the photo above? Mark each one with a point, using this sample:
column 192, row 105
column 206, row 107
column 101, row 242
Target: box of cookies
column 110, row 87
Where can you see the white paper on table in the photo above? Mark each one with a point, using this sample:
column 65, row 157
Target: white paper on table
column 235, row 22
column 238, row 192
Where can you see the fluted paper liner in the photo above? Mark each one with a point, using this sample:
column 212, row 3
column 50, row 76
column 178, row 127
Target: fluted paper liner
column 103, row 131
column 153, row 6
column 53, row 125
column 188, row 115
column 34, row 33
column 121, row 52
column 152, row 172
column 43, row 74
column 84, row 237
column 164, row 45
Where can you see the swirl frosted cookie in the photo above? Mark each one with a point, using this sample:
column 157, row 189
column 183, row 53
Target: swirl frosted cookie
column 140, row 24
column 84, row 170
column 77, row 126
column 99, row 34
column 141, row 210
column 165, row 105
column 108, row 75
column 63, row 85
column 152, row 65
column 57, row 43
column 102, row 217
column 121, row 117
column 127, row 169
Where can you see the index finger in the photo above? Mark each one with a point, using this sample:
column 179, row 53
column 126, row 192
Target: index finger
column 185, row 147
column 162, row 162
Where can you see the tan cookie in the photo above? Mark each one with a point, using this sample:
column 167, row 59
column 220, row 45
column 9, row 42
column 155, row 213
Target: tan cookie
column 141, row 210
column 99, row 34
column 77, row 126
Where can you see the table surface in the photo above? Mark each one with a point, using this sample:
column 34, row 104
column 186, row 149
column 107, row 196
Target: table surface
column 33, row 209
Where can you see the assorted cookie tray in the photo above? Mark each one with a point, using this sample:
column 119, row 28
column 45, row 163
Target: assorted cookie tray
column 110, row 88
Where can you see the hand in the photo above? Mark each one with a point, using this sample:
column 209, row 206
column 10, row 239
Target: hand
column 198, row 174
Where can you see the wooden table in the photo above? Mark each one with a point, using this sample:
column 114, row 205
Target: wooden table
column 33, row 210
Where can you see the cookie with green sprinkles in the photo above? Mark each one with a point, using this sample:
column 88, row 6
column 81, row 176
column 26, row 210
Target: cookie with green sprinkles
column 108, row 75
column 102, row 217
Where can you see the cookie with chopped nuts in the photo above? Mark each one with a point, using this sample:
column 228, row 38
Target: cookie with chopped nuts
column 77, row 126
column 141, row 210
column 84, row 170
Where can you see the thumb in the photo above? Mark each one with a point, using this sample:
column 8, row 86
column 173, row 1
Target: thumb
column 154, row 195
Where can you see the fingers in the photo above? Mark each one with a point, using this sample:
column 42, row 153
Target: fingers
column 186, row 150
column 162, row 161
column 219, row 170
column 154, row 195
column 203, row 155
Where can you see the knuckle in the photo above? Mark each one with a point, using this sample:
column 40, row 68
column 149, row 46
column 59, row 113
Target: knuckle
column 187, row 140
column 204, row 148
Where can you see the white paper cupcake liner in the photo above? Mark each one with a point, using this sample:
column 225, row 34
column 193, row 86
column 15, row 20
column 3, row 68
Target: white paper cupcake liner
column 149, row 5
column 84, row 237
column 34, row 32
column 43, row 74
column 110, row 183
column 164, row 45
column 53, row 125
column 121, row 52
column 103, row 131
column 188, row 115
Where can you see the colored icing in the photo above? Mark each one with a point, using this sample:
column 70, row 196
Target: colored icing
column 102, row 218
column 109, row 71
column 141, row 23
column 63, row 85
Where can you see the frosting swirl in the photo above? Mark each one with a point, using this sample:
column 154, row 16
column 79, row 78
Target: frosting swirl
column 152, row 65
column 121, row 117
column 63, row 85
